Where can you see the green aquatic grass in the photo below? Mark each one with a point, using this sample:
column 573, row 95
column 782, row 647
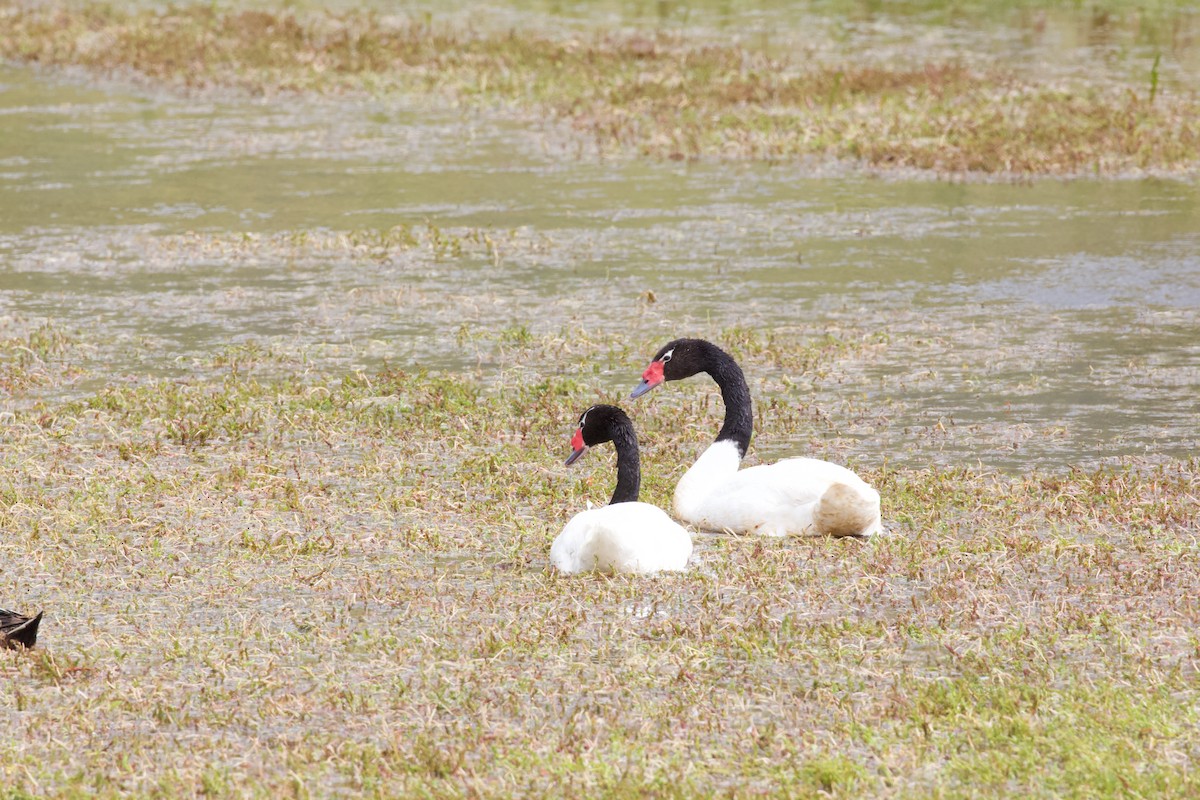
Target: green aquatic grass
column 338, row 583
column 658, row 94
column 34, row 358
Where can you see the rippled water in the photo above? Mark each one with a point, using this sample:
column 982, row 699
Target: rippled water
column 1051, row 323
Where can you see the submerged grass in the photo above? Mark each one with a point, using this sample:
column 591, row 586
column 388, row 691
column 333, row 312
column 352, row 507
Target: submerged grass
column 34, row 358
column 661, row 95
column 338, row 583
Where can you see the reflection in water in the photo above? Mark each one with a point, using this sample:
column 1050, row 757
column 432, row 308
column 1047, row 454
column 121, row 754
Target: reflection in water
column 1053, row 323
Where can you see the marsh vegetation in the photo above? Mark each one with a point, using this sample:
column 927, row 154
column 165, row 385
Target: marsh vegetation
column 660, row 93
column 319, row 583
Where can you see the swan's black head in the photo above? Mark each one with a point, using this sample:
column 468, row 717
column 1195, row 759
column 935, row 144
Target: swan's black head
column 677, row 360
column 597, row 425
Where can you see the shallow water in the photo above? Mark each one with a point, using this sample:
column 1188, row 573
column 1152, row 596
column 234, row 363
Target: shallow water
column 1116, row 40
column 1024, row 325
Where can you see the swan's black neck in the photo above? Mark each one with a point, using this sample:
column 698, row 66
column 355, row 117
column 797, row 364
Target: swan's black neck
column 629, row 468
column 739, row 412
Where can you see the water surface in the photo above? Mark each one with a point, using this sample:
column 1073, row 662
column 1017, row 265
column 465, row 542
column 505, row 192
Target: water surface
column 1045, row 324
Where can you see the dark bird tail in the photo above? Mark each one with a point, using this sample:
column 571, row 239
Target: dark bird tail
column 17, row 629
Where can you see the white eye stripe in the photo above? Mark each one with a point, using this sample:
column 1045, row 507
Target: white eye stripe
column 667, row 356
column 583, row 419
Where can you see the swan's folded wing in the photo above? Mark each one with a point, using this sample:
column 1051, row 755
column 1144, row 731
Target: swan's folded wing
column 799, row 480
column 779, row 499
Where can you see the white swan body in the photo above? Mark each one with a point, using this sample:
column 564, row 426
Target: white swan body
column 625, row 537
column 793, row 497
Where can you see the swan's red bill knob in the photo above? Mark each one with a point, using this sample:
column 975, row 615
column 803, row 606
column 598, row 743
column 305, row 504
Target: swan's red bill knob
column 652, row 377
column 578, row 448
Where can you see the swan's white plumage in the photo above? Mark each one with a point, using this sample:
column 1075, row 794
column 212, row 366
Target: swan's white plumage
column 623, row 537
column 793, row 497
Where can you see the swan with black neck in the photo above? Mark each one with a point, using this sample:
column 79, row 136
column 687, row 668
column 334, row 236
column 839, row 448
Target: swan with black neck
column 793, row 497
column 625, row 535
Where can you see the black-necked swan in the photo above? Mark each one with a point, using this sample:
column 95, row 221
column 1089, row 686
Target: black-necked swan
column 18, row 629
column 625, row 535
column 795, row 496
